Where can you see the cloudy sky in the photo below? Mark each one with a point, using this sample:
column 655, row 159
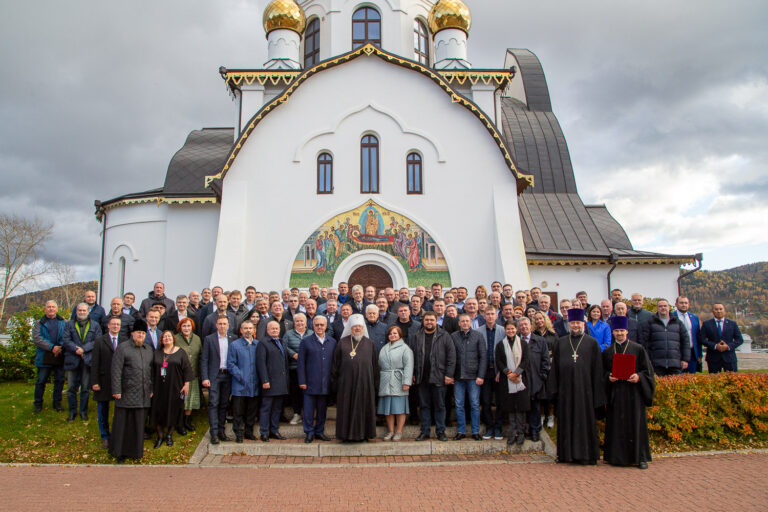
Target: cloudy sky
column 664, row 106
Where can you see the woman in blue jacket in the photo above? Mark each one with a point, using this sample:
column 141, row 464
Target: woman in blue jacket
column 598, row 329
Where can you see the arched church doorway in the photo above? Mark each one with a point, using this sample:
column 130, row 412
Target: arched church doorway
column 370, row 275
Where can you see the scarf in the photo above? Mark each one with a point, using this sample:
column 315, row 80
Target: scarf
column 514, row 354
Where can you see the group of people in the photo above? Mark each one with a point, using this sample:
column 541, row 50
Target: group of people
column 505, row 355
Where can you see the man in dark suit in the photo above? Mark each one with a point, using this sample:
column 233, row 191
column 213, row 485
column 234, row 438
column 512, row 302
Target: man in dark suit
column 101, row 372
column 216, row 377
column 384, row 315
column 721, row 337
column 314, row 377
column 539, row 366
column 340, row 321
column 693, row 326
column 128, row 308
column 357, row 300
column 209, row 324
column 272, row 365
column 116, row 310
column 493, row 334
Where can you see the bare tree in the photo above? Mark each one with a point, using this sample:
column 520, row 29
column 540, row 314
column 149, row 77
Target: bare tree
column 64, row 276
column 20, row 241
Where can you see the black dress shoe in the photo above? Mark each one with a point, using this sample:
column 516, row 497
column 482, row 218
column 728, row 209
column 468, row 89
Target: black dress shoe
column 169, row 439
column 323, row 437
column 71, row 417
column 459, row 436
column 224, row 437
column 57, row 407
column 442, row 437
column 158, row 442
column 250, row 436
column 84, row 416
column 238, row 440
column 188, row 424
column 214, row 439
column 309, row 439
column 181, row 430
column 277, row 436
column 38, row 409
column 535, row 437
column 264, row 438
column 422, row 437
column 643, row 465
column 520, row 439
column 477, row 437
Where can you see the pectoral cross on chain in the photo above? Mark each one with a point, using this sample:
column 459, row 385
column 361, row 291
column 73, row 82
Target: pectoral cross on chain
column 575, row 356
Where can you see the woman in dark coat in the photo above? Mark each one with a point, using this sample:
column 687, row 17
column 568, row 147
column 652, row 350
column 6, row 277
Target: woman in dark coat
column 512, row 368
column 171, row 375
column 132, row 391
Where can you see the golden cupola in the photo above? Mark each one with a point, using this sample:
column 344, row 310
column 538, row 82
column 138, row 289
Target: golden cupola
column 450, row 14
column 284, row 14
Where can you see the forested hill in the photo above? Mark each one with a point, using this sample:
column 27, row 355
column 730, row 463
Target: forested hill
column 747, row 286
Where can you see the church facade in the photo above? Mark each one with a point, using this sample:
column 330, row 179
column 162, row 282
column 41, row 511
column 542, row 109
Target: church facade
column 367, row 149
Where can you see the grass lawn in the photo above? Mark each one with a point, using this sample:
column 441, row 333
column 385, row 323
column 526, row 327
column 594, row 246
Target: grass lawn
column 48, row 437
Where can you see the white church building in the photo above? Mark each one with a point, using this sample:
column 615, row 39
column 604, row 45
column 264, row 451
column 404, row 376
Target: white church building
column 368, row 149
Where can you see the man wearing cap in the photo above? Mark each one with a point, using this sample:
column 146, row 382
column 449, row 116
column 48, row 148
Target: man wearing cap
column 355, row 372
column 626, row 422
column 132, row 391
column 576, row 381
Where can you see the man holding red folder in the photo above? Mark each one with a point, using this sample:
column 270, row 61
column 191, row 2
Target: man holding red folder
column 629, row 390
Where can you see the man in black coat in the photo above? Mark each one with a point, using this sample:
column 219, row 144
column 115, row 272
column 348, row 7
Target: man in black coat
column 155, row 296
column 209, row 325
column 101, row 372
column 665, row 338
column 272, row 365
column 434, row 363
column 471, row 363
column 357, row 300
column 538, row 372
column 213, row 371
column 340, row 320
column 116, row 311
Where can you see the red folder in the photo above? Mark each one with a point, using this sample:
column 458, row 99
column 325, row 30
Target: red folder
column 623, row 366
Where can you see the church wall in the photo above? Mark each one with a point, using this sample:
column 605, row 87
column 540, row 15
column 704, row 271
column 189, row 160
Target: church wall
column 650, row 280
column 170, row 243
column 276, row 172
column 137, row 233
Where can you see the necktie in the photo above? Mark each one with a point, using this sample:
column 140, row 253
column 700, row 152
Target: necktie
column 114, row 342
column 720, row 328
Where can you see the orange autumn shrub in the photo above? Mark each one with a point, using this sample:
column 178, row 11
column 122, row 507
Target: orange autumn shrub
column 718, row 409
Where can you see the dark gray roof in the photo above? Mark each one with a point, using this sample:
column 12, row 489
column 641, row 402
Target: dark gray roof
column 534, row 81
column 611, row 231
column 555, row 221
column 204, row 153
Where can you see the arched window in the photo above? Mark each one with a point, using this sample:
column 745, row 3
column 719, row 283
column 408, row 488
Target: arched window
column 312, row 43
column 325, row 174
column 121, row 275
column 366, row 27
column 369, row 165
column 420, row 42
column 415, row 174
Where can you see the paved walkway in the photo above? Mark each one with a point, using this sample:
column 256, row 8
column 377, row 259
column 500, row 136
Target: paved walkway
column 473, row 486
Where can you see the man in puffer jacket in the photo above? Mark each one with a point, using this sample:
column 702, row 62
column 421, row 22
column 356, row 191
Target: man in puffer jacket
column 666, row 340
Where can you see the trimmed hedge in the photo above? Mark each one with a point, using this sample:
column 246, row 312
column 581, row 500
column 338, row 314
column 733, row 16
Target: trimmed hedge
column 725, row 409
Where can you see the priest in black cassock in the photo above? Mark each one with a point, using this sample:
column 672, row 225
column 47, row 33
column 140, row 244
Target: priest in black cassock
column 626, row 422
column 576, row 382
column 355, row 373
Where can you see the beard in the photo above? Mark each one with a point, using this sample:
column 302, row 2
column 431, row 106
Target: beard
column 357, row 338
column 577, row 333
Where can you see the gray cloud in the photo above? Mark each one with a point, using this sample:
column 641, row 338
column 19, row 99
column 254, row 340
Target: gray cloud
column 97, row 96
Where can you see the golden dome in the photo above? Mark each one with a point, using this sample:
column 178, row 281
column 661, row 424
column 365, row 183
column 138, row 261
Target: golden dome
column 285, row 14
column 450, row 14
